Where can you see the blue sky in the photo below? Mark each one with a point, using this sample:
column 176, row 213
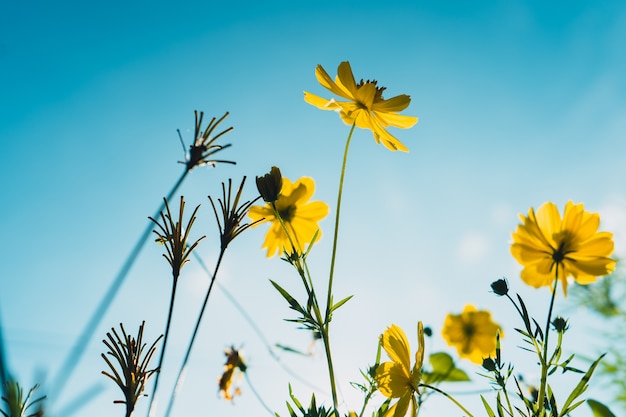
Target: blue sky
column 519, row 103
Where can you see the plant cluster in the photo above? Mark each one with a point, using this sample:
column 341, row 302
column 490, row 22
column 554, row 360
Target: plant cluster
column 553, row 247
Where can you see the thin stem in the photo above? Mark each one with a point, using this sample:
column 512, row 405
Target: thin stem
column 329, row 299
column 256, row 394
column 545, row 365
column 448, row 396
column 336, row 233
column 74, row 355
column 179, row 378
column 329, row 360
column 151, row 408
column 293, row 246
column 256, row 328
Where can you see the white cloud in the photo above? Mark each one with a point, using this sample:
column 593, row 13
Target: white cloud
column 473, row 247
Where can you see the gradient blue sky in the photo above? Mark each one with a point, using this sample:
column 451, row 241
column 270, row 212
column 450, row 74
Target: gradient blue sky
column 519, row 103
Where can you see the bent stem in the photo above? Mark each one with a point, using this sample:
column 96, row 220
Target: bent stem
column 545, row 364
column 181, row 372
column 448, row 396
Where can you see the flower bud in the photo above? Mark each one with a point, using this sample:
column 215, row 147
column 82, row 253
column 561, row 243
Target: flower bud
column 489, row 364
column 270, row 184
column 500, row 287
column 560, row 324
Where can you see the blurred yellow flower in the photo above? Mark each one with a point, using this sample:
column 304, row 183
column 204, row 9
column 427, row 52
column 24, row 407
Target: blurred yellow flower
column 396, row 379
column 472, row 333
column 546, row 245
column 299, row 215
column 366, row 107
column 233, row 369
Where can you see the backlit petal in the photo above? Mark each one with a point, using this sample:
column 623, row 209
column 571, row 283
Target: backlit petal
column 392, row 379
column 397, row 346
column 326, row 81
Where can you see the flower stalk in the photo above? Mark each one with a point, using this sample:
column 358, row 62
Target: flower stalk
column 171, row 234
column 230, row 223
column 133, row 360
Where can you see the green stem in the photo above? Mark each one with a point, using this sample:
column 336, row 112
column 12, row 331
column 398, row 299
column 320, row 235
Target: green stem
column 322, row 324
column 293, row 247
column 545, row 365
column 329, row 299
column 334, row 254
column 329, row 361
column 448, row 396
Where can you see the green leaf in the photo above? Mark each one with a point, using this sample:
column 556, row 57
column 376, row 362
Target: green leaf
column 580, row 388
column 340, row 303
column 490, row 412
column 443, row 369
column 293, row 303
column 599, row 409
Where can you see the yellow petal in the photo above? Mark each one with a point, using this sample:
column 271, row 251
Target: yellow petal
column 396, row 120
column 394, row 104
column 320, row 102
column 365, row 95
column 324, row 79
column 261, row 212
column 345, row 80
column 387, row 139
column 392, row 379
column 397, row 346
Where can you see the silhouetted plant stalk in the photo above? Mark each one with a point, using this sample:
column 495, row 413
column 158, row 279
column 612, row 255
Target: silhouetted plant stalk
column 17, row 404
column 201, row 152
column 229, row 217
column 133, row 360
column 174, row 237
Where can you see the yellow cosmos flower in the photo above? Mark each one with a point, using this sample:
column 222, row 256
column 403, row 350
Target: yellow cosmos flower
column 299, row 215
column 547, row 244
column 396, row 379
column 366, row 107
column 472, row 333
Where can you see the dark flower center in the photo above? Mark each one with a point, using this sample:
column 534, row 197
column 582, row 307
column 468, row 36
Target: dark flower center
column 287, row 213
column 469, row 330
column 565, row 240
column 379, row 90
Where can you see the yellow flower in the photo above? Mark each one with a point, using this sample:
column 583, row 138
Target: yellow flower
column 233, row 369
column 396, row 379
column 366, row 107
column 298, row 214
column 472, row 332
column 546, row 245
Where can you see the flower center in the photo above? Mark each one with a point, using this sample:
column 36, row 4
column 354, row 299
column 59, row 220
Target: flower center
column 379, row 90
column 564, row 247
column 469, row 330
column 287, row 213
